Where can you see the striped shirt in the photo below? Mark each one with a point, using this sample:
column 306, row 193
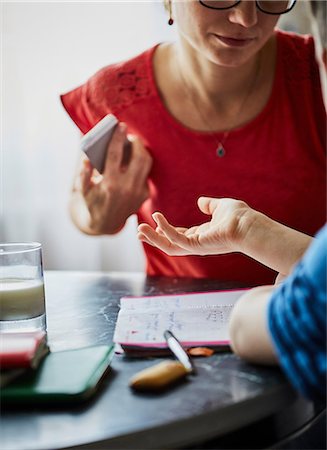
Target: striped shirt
column 297, row 321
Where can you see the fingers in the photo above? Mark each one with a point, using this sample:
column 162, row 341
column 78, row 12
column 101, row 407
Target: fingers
column 175, row 241
column 208, row 204
column 150, row 236
column 127, row 166
column 86, row 176
column 115, row 150
column 172, row 233
column 127, row 154
column 141, row 160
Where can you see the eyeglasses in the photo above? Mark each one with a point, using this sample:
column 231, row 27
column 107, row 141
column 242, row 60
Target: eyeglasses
column 274, row 7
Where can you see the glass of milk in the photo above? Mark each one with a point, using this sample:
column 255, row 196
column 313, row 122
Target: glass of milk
column 22, row 300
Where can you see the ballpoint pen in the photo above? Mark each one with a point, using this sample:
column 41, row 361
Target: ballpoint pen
column 162, row 375
column 180, row 353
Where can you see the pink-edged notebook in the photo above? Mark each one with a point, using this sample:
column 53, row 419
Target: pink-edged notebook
column 196, row 319
column 22, row 349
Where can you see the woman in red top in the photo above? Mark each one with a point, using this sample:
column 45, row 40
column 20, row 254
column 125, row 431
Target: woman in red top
column 233, row 109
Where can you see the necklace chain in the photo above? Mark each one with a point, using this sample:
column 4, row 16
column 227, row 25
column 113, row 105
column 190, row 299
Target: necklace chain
column 220, row 144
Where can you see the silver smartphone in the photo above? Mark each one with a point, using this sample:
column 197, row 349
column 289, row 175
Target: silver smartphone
column 95, row 142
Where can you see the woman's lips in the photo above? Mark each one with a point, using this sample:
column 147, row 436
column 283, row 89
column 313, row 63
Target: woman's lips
column 234, row 42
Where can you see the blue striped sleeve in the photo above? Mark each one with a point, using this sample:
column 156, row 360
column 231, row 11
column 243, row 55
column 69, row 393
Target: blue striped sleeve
column 297, row 322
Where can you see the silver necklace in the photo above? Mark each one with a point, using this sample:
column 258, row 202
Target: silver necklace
column 220, row 144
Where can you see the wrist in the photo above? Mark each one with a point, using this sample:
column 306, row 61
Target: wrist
column 248, row 223
column 272, row 243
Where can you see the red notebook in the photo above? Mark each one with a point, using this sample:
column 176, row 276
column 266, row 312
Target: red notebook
column 22, row 350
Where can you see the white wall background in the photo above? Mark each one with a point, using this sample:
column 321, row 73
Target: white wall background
column 48, row 48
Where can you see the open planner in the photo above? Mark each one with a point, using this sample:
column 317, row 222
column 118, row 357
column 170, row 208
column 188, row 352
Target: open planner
column 196, row 319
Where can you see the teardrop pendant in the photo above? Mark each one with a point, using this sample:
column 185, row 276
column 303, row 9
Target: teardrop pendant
column 220, row 152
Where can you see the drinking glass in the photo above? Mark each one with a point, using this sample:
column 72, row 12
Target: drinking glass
column 22, row 299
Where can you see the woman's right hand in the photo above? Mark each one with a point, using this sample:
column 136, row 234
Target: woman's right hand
column 102, row 203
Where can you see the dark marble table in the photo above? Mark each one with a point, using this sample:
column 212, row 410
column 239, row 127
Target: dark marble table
column 226, row 395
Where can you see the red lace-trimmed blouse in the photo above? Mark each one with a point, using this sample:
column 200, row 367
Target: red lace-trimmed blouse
column 276, row 163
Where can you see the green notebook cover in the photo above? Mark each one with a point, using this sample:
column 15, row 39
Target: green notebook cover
column 63, row 377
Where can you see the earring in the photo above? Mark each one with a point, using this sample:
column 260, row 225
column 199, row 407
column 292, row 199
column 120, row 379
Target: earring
column 171, row 20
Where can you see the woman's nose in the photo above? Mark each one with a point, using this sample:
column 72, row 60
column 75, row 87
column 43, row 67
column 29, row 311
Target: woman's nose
column 245, row 14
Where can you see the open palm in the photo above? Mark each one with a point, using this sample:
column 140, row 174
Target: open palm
column 222, row 234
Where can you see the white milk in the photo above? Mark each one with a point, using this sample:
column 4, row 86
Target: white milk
column 21, row 299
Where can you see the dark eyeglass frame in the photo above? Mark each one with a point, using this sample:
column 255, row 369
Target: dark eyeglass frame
column 257, row 5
